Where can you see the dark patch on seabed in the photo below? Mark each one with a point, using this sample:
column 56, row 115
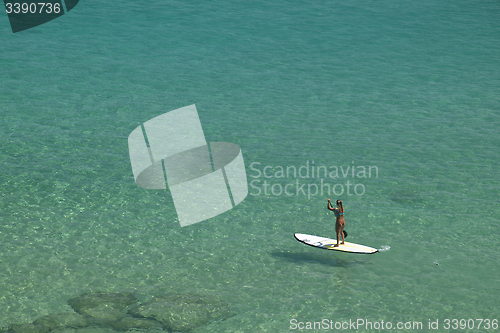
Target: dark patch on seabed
column 409, row 197
column 109, row 312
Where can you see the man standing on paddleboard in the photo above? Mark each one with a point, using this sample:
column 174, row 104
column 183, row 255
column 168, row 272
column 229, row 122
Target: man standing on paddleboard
column 340, row 223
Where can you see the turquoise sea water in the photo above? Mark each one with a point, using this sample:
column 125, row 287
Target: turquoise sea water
column 411, row 88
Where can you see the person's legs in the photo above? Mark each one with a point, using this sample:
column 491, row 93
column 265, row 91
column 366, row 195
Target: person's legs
column 338, row 231
column 342, row 233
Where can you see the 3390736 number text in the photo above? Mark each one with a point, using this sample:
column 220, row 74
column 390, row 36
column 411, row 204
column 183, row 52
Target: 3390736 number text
column 33, row 8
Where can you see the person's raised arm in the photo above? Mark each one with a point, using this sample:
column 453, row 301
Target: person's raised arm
column 328, row 205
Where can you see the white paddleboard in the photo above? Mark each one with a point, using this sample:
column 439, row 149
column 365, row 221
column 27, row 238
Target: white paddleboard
column 328, row 244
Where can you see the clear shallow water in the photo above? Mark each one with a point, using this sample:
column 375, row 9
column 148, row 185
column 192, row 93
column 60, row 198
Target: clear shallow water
column 410, row 88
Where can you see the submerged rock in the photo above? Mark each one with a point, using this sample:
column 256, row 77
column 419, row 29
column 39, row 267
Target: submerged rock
column 182, row 312
column 90, row 329
column 50, row 323
column 61, row 320
column 102, row 307
column 129, row 322
column 27, row 328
